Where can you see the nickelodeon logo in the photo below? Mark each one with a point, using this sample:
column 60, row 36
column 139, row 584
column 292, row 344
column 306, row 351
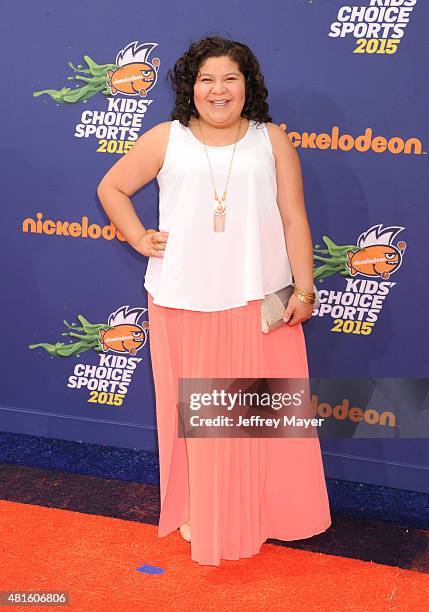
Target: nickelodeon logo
column 342, row 411
column 73, row 229
column 362, row 143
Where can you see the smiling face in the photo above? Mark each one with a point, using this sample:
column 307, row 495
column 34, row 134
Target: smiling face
column 219, row 91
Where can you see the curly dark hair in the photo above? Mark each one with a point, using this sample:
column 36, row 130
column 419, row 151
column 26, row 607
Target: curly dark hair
column 182, row 78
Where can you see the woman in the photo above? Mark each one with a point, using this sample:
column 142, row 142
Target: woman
column 233, row 228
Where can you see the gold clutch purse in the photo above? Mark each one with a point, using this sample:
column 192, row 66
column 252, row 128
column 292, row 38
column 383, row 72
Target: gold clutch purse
column 274, row 306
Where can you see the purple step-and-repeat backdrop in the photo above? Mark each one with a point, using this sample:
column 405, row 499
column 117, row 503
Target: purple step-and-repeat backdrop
column 347, row 83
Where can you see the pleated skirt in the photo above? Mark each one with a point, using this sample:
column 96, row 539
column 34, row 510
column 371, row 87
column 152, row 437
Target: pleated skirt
column 235, row 492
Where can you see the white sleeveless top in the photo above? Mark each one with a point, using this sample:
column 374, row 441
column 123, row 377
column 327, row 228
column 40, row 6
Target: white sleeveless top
column 206, row 270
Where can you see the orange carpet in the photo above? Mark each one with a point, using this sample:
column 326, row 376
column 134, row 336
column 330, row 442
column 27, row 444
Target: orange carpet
column 96, row 559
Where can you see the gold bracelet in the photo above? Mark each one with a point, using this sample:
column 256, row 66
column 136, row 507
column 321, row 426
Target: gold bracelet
column 304, row 291
column 304, row 299
column 309, row 297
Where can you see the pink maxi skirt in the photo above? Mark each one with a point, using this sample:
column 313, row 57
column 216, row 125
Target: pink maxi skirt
column 235, row 492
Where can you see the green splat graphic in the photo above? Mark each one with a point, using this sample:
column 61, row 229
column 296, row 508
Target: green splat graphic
column 88, row 339
column 95, row 79
column 333, row 259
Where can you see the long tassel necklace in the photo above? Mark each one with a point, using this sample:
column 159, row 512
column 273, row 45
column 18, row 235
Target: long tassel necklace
column 219, row 211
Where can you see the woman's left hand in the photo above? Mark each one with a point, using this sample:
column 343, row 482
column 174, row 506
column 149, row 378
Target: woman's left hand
column 297, row 311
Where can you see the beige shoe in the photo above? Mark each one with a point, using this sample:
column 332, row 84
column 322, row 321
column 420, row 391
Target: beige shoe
column 185, row 531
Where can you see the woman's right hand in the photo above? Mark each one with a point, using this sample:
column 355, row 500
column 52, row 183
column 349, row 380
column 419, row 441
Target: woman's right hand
column 152, row 243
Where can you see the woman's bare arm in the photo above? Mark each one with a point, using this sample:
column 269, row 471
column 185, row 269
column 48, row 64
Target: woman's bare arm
column 290, row 200
column 129, row 174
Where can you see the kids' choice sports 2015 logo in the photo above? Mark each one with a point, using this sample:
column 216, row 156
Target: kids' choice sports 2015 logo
column 117, row 342
column 369, row 266
column 377, row 27
column 126, row 85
